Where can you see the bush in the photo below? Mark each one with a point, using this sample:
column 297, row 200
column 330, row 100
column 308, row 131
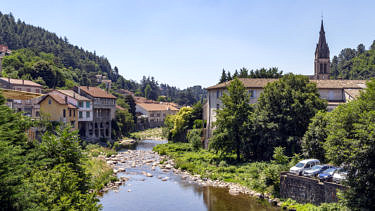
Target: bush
column 194, row 138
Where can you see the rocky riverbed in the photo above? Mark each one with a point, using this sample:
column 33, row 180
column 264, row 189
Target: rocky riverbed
column 151, row 161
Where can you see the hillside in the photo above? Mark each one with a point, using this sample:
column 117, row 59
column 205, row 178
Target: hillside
column 46, row 58
column 354, row 63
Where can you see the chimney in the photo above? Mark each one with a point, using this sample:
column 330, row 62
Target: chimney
column 66, row 99
column 88, row 87
column 74, row 95
column 79, row 90
column 23, row 82
column 8, row 82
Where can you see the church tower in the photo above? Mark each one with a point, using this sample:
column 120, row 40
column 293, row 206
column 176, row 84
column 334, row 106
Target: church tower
column 322, row 62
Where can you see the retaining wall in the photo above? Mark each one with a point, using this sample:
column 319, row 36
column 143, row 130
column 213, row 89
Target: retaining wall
column 308, row 190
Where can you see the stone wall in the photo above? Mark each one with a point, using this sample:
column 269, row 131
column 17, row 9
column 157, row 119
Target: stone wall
column 307, row 190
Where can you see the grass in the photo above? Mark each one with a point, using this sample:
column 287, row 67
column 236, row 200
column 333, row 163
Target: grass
column 260, row 176
column 154, row 133
column 98, row 169
column 263, row 177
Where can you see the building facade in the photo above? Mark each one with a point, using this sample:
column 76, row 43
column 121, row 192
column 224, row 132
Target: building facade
column 57, row 108
column 155, row 112
column 84, row 106
column 103, row 112
column 322, row 62
column 29, row 107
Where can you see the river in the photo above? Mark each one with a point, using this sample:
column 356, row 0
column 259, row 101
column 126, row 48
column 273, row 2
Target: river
column 151, row 193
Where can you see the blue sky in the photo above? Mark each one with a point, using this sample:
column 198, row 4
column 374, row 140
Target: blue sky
column 186, row 43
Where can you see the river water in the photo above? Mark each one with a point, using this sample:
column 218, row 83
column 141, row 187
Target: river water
column 151, row 193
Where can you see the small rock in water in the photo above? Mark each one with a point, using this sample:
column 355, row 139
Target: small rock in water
column 129, row 190
column 165, row 179
column 148, row 175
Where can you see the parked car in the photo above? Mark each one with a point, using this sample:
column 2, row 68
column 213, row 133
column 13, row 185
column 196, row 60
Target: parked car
column 339, row 175
column 327, row 174
column 315, row 170
column 303, row 165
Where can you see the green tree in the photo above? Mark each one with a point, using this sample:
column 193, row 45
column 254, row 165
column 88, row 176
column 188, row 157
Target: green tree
column 283, row 113
column 123, row 124
column 148, row 91
column 131, row 102
column 230, row 132
column 315, row 136
column 223, row 77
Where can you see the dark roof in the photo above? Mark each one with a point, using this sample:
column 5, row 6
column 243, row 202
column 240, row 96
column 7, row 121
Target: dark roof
column 322, row 49
column 96, row 92
column 321, row 84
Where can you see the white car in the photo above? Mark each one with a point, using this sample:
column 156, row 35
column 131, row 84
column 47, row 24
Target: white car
column 339, row 175
column 303, row 166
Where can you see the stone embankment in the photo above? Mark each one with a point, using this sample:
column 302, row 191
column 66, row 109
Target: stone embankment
column 152, row 160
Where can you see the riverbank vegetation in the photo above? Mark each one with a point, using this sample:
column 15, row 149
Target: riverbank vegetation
column 288, row 115
column 50, row 174
column 153, row 133
column 96, row 166
column 263, row 177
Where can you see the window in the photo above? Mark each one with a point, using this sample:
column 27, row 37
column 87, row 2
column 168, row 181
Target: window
column 49, row 101
column 74, row 113
column 37, row 90
column 64, row 113
column 87, row 114
column 28, row 90
column 152, row 115
column 87, row 104
column 80, row 104
column 70, row 112
column 37, row 114
column 80, row 114
column 217, row 93
column 252, row 93
column 72, row 123
column 158, row 114
column 218, row 106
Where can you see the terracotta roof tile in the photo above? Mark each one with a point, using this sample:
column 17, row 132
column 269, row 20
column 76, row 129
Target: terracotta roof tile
column 96, row 92
column 73, row 94
column 321, row 84
column 156, row 107
column 21, row 82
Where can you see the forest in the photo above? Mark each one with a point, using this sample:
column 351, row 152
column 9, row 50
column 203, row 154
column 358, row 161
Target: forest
column 46, row 58
column 354, row 64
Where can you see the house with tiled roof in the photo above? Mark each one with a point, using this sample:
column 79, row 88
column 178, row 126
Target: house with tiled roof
column 57, row 108
column 29, row 107
column 103, row 107
column 84, row 105
column 155, row 112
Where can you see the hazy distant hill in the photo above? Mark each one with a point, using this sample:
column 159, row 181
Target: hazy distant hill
column 44, row 57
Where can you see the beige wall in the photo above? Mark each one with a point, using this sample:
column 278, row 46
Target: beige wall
column 55, row 112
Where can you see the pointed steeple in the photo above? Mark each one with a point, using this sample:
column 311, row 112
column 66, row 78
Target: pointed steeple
column 322, row 50
column 322, row 61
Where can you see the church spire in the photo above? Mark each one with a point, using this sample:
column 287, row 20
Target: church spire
column 322, row 50
column 322, row 61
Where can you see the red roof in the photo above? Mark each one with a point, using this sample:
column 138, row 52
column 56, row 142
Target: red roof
column 56, row 98
column 96, row 92
column 20, row 82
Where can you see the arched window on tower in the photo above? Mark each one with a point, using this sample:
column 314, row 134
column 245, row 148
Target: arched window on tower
column 321, row 68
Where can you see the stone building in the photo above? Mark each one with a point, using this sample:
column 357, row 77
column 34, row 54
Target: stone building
column 4, row 51
column 57, row 108
column 322, row 63
column 155, row 112
column 103, row 107
column 335, row 92
column 84, row 112
column 29, row 107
